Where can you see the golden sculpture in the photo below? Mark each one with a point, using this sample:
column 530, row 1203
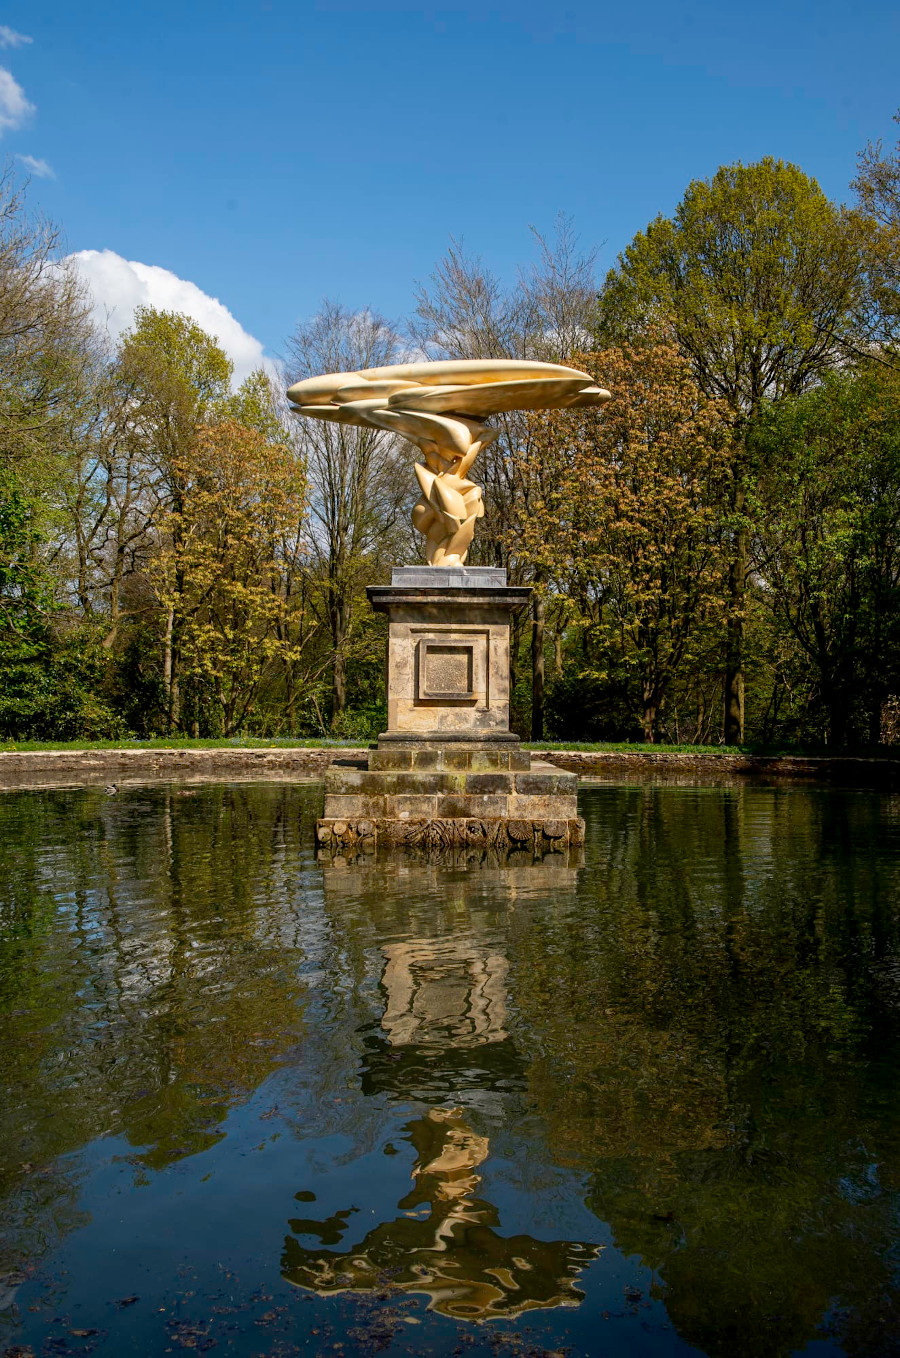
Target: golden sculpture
column 440, row 407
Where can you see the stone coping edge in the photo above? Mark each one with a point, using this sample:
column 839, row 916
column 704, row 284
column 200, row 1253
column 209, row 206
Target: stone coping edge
column 139, row 760
column 847, row 770
column 477, row 739
column 844, row 770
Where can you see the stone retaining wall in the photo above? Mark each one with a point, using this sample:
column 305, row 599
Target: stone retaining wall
column 70, row 768
column 684, row 767
column 60, row 768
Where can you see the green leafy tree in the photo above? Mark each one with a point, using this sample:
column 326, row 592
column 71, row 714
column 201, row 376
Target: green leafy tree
column 828, row 550
column 220, row 568
column 176, row 377
column 630, row 521
column 759, row 275
column 48, row 366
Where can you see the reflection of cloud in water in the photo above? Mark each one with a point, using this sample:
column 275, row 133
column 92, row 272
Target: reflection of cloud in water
column 444, row 1245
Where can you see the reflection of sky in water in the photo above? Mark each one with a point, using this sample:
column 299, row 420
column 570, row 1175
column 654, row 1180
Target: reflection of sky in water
column 257, row 1103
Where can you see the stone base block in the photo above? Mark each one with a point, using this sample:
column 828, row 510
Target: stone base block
column 456, row 791
column 366, row 834
column 441, row 755
column 447, row 794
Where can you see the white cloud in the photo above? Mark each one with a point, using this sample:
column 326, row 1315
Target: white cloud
column 14, row 107
column 10, row 38
column 120, row 285
column 39, row 168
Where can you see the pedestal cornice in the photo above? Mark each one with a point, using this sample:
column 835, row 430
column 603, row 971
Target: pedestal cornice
column 508, row 597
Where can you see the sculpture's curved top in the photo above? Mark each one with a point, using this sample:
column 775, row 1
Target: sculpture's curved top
column 441, row 407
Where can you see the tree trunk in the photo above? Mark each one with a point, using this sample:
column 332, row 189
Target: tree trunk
column 537, row 668
column 170, row 678
column 337, row 621
column 838, row 709
column 734, row 642
column 649, row 718
column 338, row 686
column 110, row 639
column 167, row 666
column 290, row 700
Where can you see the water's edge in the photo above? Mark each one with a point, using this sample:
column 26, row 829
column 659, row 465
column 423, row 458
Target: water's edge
column 72, row 768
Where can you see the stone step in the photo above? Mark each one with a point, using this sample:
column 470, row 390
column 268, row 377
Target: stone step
column 541, row 781
column 477, row 755
column 452, row 805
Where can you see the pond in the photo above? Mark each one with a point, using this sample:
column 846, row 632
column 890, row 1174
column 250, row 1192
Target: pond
column 644, row 1100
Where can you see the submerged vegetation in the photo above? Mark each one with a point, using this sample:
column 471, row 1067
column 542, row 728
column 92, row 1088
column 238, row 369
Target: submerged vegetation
column 714, row 557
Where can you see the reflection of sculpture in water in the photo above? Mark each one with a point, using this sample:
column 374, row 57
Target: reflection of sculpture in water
column 440, row 407
column 445, row 1246
column 445, row 992
column 443, row 996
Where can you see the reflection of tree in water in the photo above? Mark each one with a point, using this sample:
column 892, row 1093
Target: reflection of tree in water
column 711, row 1033
column 445, row 1246
column 148, row 978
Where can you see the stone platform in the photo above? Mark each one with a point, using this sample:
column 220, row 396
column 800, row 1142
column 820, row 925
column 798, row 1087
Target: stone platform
column 448, row 771
column 488, row 791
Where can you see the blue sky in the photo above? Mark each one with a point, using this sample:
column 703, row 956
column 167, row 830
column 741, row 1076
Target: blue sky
column 271, row 154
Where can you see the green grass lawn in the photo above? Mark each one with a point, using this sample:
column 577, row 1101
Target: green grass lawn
column 314, row 742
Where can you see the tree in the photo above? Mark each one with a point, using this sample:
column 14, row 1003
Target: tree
column 466, row 312
column 176, row 377
column 47, row 344
column 759, row 276
column 358, row 477
column 220, row 570
column 630, row 525
column 877, row 186
column 48, row 362
column 828, row 550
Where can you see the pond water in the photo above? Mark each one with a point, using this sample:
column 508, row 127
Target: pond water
column 644, row 1100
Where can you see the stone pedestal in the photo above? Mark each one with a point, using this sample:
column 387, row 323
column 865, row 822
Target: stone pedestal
column 448, row 651
column 448, row 770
